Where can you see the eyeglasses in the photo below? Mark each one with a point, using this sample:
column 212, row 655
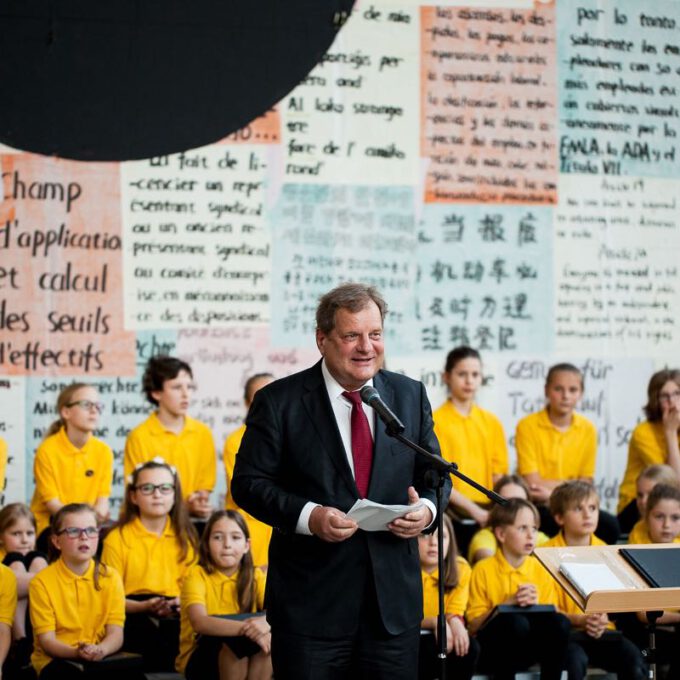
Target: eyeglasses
column 665, row 396
column 87, row 405
column 149, row 489
column 77, row 532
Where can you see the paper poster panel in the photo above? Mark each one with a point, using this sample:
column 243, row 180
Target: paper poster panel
column 196, row 249
column 619, row 75
column 489, row 99
column 617, row 266
column 61, row 288
column 484, row 278
column 12, row 425
column 354, row 118
column 265, row 129
column 325, row 235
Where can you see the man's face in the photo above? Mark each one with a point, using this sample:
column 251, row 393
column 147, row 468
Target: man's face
column 354, row 349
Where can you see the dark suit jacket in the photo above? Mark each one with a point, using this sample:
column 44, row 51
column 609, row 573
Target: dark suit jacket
column 292, row 453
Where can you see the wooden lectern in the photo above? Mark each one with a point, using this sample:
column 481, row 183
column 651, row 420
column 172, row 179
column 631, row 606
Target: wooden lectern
column 638, row 595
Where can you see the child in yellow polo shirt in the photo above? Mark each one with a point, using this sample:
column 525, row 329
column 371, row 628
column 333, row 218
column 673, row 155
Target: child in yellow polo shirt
column 661, row 522
column 71, row 465
column 593, row 640
column 260, row 533
column 8, row 605
column 77, row 606
column 654, row 441
column 483, row 543
column 511, row 642
column 152, row 547
column 170, row 433
column 471, row 437
column 461, row 649
column 557, row 444
column 646, row 481
column 214, row 646
column 17, row 545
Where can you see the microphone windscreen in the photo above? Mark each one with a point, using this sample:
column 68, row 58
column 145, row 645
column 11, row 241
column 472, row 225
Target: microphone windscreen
column 368, row 394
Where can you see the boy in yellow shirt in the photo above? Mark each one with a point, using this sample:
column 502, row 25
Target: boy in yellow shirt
column 8, row 605
column 511, row 642
column 170, row 433
column 593, row 640
column 557, row 444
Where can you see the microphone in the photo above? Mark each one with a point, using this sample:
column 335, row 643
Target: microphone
column 370, row 396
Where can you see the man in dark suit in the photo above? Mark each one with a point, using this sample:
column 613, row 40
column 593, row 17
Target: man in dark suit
column 341, row 602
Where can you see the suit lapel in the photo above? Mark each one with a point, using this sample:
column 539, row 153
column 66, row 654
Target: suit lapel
column 322, row 418
column 382, row 448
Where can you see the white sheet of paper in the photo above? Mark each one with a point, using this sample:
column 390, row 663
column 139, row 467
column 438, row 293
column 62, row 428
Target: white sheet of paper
column 372, row 516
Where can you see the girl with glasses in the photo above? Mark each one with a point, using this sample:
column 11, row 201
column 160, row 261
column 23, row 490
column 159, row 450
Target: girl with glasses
column 152, row 547
column 71, row 465
column 77, row 605
column 654, row 441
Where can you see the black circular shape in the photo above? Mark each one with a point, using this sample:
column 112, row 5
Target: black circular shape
column 130, row 79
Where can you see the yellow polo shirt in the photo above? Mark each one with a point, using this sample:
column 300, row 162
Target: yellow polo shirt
column 476, row 443
column 455, row 599
column 542, row 448
column 192, row 451
column 494, row 580
column 8, row 595
column 70, row 474
column 647, row 447
column 71, row 607
column 260, row 533
column 485, row 540
column 564, row 603
column 147, row 563
column 217, row 593
column 3, row 463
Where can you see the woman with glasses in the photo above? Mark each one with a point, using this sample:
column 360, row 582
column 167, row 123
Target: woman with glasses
column 71, row 465
column 654, row 441
column 152, row 547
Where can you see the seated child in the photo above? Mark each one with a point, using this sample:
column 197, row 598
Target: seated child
column 593, row 640
column 556, row 444
column 648, row 479
column 511, row 642
column 71, row 465
column 470, row 436
column 77, row 605
column 213, row 645
column 483, row 543
column 170, row 433
column 8, row 605
column 17, row 543
column 661, row 523
column 260, row 533
column 462, row 651
column 656, row 440
column 152, row 548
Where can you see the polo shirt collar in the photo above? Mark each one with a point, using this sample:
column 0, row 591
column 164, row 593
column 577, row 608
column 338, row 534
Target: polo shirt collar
column 506, row 568
column 455, row 413
column 70, row 577
column 68, row 445
column 138, row 529
column 157, row 428
column 544, row 420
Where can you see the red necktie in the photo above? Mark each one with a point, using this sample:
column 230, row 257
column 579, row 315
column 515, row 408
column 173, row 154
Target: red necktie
column 362, row 443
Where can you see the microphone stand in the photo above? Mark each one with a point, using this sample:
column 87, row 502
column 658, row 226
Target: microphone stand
column 441, row 469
